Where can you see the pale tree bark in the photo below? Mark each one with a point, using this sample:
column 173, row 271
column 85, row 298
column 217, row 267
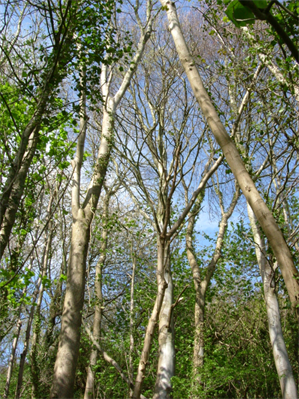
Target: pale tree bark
column 200, row 288
column 165, row 369
column 264, row 216
column 68, row 349
column 267, row 270
column 166, row 362
column 163, row 305
column 166, row 339
column 162, row 285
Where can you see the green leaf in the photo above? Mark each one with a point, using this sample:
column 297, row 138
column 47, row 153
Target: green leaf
column 261, row 4
column 63, row 277
column 238, row 14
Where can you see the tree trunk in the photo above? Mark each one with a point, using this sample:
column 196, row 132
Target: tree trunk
column 68, row 349
column 12, row 358
column 34, row 363
column 198, row 349
column 152, row 321
column 281, row 359
column 263, row 214
column 201, row 284
column 26, row 343
column 16, row 177
column 15, row 341
column 89, row 387
column 131, row 368
column 15, row 192
column 166, row 361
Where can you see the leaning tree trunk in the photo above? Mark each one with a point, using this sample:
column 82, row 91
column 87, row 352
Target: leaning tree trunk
column 281, row 359
column 12, row 199
column 263, row 214
column 16, row 177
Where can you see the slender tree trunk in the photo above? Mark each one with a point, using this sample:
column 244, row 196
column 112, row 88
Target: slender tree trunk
column 166, row 361
column 89, row 387
column 26, row 343
column 35, row 376
column 263, row 214
column 16, row 192
column 198, row 349
column 68, row 349
column 281, row 359
column 12, row 358
column 55, row 306
column 162, row 285
column 15, row 341
column 131, row 350
column 201, row 283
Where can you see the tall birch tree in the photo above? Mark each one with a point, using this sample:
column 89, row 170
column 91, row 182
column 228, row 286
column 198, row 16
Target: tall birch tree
column 233, row 158
column 67, row 355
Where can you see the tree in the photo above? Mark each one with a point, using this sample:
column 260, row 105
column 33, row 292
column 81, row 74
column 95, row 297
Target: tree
column 127, row 188
column 234, row 160
column 68, row 350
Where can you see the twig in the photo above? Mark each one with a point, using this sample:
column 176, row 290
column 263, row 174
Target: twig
column 179, row 299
